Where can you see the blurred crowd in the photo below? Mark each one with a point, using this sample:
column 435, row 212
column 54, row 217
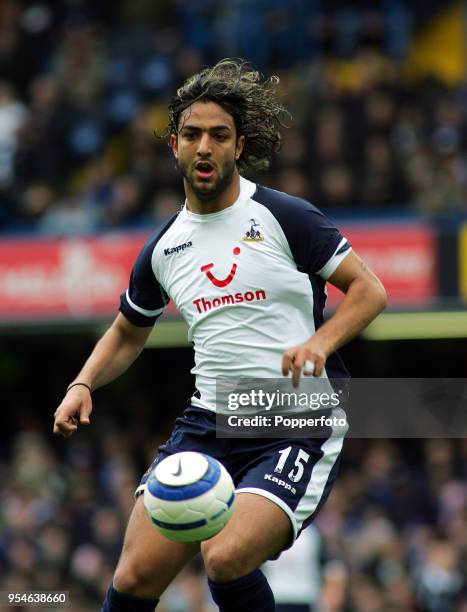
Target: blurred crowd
column 392, row 536
column 84, row 88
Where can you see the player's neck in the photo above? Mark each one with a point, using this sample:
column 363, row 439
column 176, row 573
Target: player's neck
column 222, row 201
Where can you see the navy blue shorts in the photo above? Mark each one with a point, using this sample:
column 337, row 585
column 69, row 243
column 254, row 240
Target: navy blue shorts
column 297, row 474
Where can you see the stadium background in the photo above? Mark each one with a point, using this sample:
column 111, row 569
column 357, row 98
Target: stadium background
column 378, row 94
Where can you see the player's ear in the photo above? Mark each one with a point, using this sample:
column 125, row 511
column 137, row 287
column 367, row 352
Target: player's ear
column 173, row 142
column 239, row 147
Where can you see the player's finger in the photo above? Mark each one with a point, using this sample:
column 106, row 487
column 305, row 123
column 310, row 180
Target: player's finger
column 286, row 363
column 297, row 369
column 84, row 416
column 65, row 421
column 319, row 367
column 67, row 434
column 64, row 428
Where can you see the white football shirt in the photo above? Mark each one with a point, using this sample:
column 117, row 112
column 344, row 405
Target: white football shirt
column 249, row 280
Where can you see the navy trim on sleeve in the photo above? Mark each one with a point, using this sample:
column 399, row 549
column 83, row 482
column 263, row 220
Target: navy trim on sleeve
column 145, row 299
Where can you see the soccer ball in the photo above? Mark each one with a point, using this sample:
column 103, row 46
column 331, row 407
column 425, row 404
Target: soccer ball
column 189, row 497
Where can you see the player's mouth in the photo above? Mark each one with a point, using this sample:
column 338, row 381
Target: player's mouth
column 204, row 170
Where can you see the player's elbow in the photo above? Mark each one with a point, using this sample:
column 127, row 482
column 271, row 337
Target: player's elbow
column 379, row 296
column 369, row 290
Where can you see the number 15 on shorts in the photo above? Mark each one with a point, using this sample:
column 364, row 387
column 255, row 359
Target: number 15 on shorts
column 297, row 471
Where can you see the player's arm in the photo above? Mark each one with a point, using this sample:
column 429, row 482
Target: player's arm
column 113, row 354
column 365, row 297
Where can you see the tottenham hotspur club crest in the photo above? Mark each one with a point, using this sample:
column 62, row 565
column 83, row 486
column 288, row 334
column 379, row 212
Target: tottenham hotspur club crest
column 253, row 234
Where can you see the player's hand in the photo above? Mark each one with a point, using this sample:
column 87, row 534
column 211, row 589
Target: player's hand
column 76, row 408
column 309, row 357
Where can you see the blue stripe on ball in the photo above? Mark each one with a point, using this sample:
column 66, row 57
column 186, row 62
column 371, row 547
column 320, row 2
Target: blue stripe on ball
column 179, row 526
column 220, row 512
column 231, row 500
column 178, row 493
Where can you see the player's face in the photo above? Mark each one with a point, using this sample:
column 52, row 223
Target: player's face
column 206, row 149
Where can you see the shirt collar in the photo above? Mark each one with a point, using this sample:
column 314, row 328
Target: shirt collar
column 247, row 189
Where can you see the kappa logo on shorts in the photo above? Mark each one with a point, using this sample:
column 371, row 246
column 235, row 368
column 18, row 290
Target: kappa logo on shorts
column 281, row 483
column 177, row 249
column 224, row 281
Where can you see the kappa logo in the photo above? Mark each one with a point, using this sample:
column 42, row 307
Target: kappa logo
column 223, row 282
column 281, row 483
column 177, row 249
column 253, row 235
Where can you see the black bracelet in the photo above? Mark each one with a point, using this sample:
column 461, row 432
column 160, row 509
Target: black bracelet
column 79, row 383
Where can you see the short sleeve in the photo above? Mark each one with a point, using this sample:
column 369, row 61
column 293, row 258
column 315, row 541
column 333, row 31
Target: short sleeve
column 145, row 299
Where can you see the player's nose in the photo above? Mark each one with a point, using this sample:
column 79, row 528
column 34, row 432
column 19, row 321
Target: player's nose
column 204, row 145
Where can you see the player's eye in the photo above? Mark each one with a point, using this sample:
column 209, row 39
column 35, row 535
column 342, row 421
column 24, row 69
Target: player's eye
column 220, row 137
column 189, row 135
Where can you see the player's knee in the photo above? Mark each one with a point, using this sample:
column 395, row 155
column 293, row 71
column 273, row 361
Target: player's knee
column 134, row 579
column 224, row 563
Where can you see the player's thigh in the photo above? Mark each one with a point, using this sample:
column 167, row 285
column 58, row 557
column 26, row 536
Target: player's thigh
column 257, row 531
column 277, row 497
column 149, row 561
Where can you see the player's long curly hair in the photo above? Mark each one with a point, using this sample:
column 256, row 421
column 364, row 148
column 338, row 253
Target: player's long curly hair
column 245, row 94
